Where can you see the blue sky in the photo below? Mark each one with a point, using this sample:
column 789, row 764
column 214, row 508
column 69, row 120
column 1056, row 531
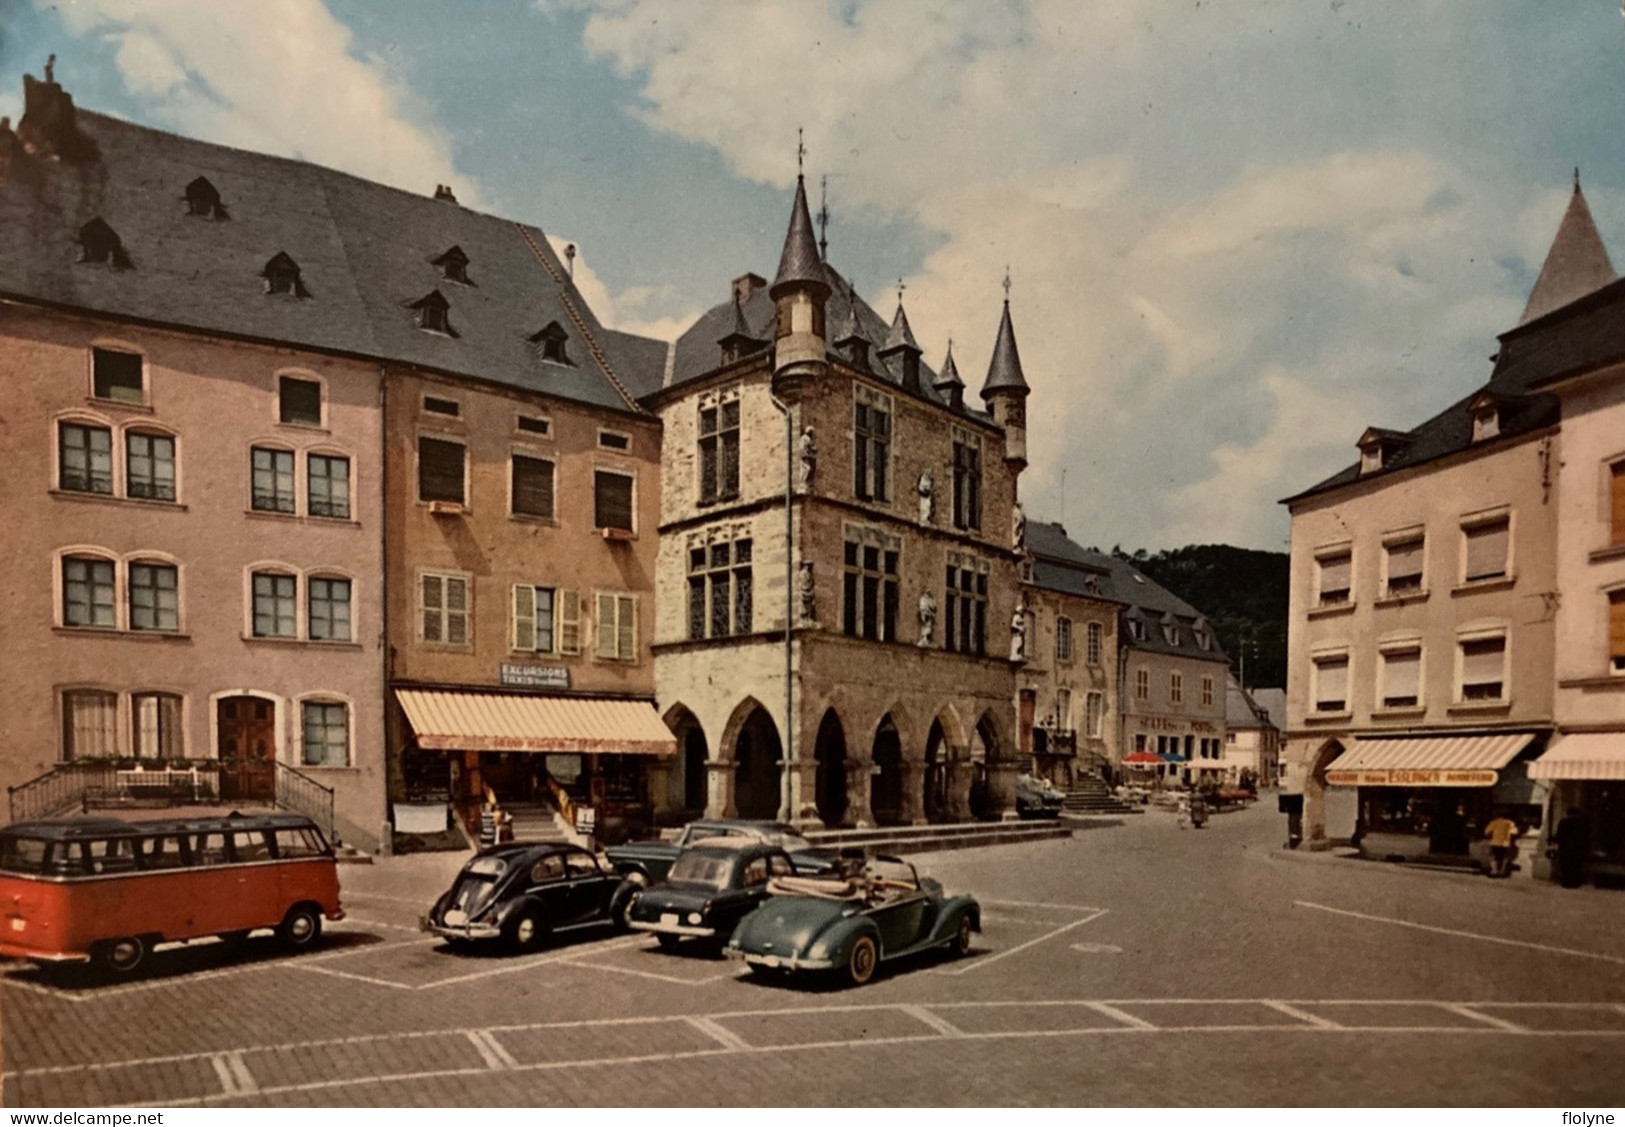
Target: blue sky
column 1238, row 232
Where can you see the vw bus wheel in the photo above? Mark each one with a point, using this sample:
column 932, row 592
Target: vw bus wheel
column 860, row 963
column 301, row 927
column 121, row 955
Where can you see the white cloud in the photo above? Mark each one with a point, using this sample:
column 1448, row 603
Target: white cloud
column 277, row 76
column 633, row 310
column 1219, row 279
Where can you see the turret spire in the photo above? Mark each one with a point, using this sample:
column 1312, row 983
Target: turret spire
column 1004, row 373
column 1576, row 265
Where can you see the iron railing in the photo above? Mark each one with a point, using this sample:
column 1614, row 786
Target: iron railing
column 65, row 787
column 302, row 794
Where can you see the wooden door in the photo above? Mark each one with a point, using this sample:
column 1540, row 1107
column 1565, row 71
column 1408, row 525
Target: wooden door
column 247, row 741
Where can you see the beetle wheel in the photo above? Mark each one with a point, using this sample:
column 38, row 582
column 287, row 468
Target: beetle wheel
column 121, row 955
column 860, row 963
column 301, row 927
column 527, row 932
column 667, row 942
column 961, row 944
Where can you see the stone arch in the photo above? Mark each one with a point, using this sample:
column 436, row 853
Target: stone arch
column 886, row 794
column 689, row 778
column 752, row 742
column 938, row 752
column 983, row 752
column 830, row 754
column 1314, row 791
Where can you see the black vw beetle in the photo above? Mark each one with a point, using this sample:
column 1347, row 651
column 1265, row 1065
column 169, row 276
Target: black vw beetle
column 519, row 894
column 711, row 887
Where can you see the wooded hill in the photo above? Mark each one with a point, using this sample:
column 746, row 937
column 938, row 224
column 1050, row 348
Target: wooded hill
column 1243, row 593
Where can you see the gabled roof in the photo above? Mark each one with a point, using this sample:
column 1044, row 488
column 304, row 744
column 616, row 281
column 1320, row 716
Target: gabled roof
column 1576, row 264
column 1060, row 565
column 365, row 252
column 1241, row 710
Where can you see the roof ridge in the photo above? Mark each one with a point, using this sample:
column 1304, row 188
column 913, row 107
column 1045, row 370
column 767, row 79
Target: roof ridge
column 580, row 322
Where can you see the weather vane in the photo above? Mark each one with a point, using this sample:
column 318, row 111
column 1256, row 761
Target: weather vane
column 1007, row 283
column 900, row 288
column 801, row 152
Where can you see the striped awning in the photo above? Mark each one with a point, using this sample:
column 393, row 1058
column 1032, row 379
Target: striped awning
column 1583, row 755
column 1427, row 761
column 465, row 721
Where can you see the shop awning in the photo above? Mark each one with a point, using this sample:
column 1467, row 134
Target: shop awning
column 448, row 720
column 1427, row 761
column 1583, row 755
column 1143, row 759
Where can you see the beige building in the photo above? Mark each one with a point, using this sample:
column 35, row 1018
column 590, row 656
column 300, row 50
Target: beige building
column 193, row 598
column 1071, row 675
column 1252, row 742
column 837, row 627
column 1427, row 600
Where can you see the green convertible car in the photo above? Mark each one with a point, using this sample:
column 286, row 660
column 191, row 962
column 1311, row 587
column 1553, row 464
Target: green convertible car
column 852, row 921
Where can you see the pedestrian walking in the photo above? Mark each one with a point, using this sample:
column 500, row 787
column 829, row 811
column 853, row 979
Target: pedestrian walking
column 1501, row 832
column 1573, row 839
column 1183, row 808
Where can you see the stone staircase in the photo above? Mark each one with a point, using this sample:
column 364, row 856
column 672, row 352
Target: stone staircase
column 953, row 835
column 1090, row 795
column 535, row 821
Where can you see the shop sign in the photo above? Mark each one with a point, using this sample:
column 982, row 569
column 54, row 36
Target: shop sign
column 586, row 819
column 1410, row 777
column 535, row 676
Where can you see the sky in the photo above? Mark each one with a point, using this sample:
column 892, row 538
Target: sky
column 1238, row 232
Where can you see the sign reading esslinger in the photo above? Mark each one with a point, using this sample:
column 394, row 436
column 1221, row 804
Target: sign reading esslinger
column 1409, row 777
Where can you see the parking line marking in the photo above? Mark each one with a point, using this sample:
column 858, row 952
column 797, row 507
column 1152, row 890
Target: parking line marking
column 381, row 923
column 727, row 1038
column 1036, row 904
column 1499, row 1023
column 358, row 977
column 233, row 1074
column 941, row 1024
column 645, row 973
column 1302, row 1015
column 526, row 964
column 1464, row 934
column 996, row 956
column 346, row 894
column 1128, row 1019
column 496, row 1058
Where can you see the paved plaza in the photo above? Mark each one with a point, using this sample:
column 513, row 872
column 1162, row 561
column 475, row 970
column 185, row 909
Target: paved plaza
column 1136, row 963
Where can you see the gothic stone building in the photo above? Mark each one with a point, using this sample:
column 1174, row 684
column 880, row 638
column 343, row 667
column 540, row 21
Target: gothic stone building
column 837, row 595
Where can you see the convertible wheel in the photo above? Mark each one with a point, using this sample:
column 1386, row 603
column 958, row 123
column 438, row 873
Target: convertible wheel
column 860, row 964
column 526, row 932
column 961, row 945
column 667, row 942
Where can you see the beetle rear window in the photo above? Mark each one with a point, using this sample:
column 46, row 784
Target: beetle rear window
column 699, row 868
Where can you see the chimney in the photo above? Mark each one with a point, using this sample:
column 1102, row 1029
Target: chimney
column 444, row 192
column 745, row 285
column 50, row 125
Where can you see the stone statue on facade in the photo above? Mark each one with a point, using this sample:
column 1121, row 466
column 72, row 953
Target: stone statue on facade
column 928, row 619
column 1018, row 527
column 808, row 449
column 1018, row 633
column 926, row 488
column 806, row 596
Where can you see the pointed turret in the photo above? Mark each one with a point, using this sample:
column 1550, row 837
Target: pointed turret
column 1576, row 265
column 1005, row 390
column 799, row 292
column 948, row 384
column 901, row 353
column 850, row 342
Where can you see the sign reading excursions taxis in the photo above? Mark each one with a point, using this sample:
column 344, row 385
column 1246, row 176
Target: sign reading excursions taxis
column 1410, row 777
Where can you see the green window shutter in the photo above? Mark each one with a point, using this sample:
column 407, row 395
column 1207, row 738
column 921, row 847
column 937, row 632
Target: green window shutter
column 524, row 618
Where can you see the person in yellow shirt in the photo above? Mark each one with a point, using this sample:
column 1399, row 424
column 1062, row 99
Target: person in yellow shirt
column 1501, row 832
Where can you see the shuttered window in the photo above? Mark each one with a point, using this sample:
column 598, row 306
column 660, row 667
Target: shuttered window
column 532, row 486
column 1332, row 684
column 533, row 619
column 1483, row 668
column 1405, row 566
column 443, row 609
column 1335, row 574
column 568, row 607
column 1487, row 549
column 1401, row 678
column 1616, row 494
column 612, row 500
column 617, row 627
column 440, row 470
column 1616, row 631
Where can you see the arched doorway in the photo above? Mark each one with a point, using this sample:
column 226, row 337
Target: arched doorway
column 689, row 791
column 830, row 785
column 757, row 752
column 983, row 749
column 245, row 735
column 886, row 796
column 936, row 775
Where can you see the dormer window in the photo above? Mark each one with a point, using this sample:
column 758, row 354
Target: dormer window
column 1379, row 447
column 1170, row 630
column 1486, row 417
column 551, row 341
column 1136, row 625
column 1199, row 631
column 433, row 314
column 203, row 200
column 281, row 276
column 99, row 244
column 454, row 266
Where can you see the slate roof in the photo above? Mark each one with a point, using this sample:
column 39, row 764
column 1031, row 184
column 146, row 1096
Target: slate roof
column 1241, row 710
column 1004, row 372
column 799, row 261
column 1062, row 566
column 365, row 253
column 1587, row 332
